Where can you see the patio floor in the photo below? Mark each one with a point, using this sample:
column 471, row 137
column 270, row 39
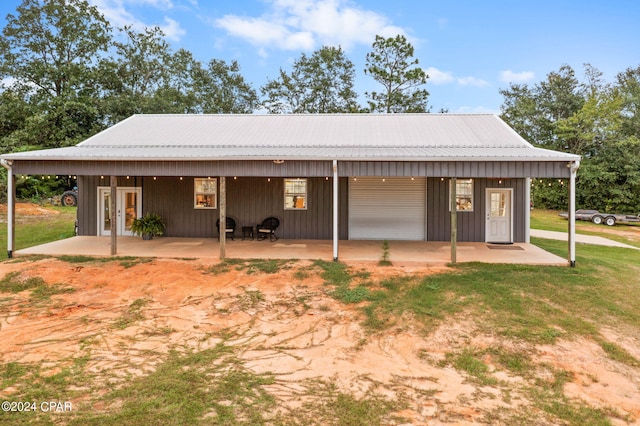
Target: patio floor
column 399, row 251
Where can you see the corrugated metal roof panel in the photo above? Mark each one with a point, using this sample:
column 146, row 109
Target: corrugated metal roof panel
column 392, row 137
column 295, row 153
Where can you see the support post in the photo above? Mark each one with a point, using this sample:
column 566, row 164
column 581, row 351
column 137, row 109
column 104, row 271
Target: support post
column 335, row 210
column 223, row 218
column 454, row 220
column 574, row 166
column 527, row 210
column 11, row 208
column 113, row 205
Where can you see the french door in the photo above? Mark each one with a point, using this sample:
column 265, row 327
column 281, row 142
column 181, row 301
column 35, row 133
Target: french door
column 128, row 208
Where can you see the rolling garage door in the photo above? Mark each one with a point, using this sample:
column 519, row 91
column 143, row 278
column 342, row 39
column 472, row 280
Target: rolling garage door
column 393, row 209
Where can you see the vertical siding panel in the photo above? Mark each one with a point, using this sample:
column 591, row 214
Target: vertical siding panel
column 343, row 213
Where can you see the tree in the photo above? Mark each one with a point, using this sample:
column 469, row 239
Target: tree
column 131, row 79
column 48, row 51
column 148, row 77
column 592, row 119
column 225, row 91
column 51, row 46
column 536, row 112
column 628, row 87
column 321, row 83
column 390, row 63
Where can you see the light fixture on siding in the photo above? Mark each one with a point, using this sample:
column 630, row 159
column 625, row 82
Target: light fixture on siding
column 384, row 180
column 155, row 178
column 268, row 179
column 355, row 179
column 180, row 177
column 278, row 161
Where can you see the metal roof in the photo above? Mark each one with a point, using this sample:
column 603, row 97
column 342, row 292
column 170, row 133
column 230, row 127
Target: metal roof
column 353, row 137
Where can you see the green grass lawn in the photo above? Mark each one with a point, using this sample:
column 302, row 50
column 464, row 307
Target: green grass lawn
column 32, row 231
column 549, row 220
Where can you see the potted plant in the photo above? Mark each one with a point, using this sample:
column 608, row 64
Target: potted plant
column 148, row 226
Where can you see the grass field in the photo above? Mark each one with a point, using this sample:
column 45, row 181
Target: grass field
column 35, row 230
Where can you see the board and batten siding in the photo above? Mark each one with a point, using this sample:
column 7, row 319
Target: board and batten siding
column 471, row 225
column 389, row 209
column 249, row 202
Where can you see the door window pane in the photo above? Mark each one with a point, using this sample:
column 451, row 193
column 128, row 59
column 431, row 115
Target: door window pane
column 498, row 204
column 106, row 206
column 130, row 209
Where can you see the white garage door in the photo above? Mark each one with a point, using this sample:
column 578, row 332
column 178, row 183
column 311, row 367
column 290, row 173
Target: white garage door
column 393, row 209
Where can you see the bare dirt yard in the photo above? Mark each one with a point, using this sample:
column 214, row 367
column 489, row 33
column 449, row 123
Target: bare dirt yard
column 110, row 323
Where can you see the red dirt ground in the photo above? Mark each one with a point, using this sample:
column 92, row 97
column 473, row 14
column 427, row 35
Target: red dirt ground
column 294, row 330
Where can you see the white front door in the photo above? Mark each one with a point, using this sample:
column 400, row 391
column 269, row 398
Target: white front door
column 128, row 208
column 499, row 216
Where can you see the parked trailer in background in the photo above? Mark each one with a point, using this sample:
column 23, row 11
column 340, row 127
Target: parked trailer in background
column 607, row 218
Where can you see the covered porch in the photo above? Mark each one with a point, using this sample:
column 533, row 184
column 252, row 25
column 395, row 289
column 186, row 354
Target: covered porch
column 428, row 253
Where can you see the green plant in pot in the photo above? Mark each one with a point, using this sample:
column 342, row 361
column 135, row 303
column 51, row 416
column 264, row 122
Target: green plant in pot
column 148, row 226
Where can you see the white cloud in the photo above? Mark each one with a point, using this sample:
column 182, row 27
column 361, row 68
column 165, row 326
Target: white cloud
column 172, row 29
column 439, row 77
column 306, row 24
column 509, row 76
column 471, row 81
column 117, row 13
column 264, row 33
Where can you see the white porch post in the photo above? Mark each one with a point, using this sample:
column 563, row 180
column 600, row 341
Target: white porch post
column 114, row 214
column 223, row 218
column 11, row 208
column 527, row 210
column 335, row 210
column 574, row 166
column 454, row 220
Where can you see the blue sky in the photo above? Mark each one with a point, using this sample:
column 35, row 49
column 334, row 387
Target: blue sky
column 470, row 48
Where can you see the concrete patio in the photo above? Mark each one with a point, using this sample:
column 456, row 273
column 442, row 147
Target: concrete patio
column 399, row 251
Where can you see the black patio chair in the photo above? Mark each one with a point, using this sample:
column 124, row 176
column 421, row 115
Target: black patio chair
column 268, row 229
column 231, row 227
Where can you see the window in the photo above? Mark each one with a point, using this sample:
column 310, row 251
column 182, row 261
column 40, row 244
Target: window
column 205, row 193
column 464, row 195
column 295, row 194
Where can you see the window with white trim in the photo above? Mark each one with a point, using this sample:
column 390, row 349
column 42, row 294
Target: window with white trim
column 464, row 195
column 205, row 193
column 295, row 194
